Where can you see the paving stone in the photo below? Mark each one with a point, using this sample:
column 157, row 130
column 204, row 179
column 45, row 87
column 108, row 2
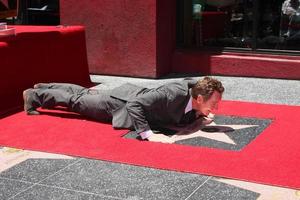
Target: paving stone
column 214, row 190
column 40, row 192
column 9, row 188
column 35, row 170
column 125, row 181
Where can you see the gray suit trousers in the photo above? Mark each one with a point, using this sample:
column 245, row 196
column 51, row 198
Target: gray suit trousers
column 96, row 104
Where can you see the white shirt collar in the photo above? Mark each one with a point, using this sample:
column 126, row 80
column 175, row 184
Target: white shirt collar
column 189, row 106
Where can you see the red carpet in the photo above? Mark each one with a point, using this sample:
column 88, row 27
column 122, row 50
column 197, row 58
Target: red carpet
column 272, row 158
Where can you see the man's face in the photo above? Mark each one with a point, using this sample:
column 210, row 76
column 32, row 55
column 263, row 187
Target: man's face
column 206, row 107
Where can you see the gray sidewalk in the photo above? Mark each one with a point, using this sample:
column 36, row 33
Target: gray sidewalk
column 41, row 176
column 271, row 91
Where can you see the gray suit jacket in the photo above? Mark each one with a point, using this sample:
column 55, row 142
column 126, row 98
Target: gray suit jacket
column 143, row 106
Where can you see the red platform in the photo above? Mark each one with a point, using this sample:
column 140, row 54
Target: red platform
column 236, row 64
column 40, row 54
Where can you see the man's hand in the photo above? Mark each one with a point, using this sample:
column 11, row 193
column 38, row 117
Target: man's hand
column 160, row 138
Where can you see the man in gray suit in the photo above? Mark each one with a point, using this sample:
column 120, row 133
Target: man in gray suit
column 130, row 106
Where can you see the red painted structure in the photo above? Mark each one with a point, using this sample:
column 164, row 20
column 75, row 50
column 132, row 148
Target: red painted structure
column 237, row 64
column 137, row 38
column 40, row 54
column 130, row 37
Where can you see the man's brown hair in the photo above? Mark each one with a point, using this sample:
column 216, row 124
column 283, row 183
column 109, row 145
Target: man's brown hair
column 206, row 87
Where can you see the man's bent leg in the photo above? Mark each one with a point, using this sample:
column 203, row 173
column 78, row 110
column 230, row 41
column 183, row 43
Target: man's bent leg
column 47, row 98
column 67, row 87
column 97, row 106
column 29, row 105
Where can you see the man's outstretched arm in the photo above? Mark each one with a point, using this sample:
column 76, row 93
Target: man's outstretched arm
column 137, row 109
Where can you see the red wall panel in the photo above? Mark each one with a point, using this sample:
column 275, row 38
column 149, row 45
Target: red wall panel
column 166, row 35
column 121, row 35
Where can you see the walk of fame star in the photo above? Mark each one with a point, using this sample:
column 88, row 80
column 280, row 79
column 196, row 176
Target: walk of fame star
column 226, row 132
column 213, row 132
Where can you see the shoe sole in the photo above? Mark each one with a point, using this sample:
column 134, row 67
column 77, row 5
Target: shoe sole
column 26, row 109
column 40, row 85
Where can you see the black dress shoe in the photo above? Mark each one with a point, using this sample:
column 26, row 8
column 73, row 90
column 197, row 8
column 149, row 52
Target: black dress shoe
column 28, row 107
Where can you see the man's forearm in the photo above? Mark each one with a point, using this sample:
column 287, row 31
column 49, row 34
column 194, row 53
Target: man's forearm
column 138, row 118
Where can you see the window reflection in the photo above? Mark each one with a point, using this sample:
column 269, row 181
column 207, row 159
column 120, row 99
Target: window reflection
column 254, row 24
column 290, row 24
column 223, row 23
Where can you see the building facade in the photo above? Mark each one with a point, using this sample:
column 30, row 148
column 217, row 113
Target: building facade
column 152, row 38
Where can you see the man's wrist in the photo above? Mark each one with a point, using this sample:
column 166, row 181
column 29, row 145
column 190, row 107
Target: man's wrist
column 146, row 134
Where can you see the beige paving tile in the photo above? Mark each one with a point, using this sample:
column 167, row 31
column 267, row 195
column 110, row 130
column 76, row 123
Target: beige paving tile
column 10, row 157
